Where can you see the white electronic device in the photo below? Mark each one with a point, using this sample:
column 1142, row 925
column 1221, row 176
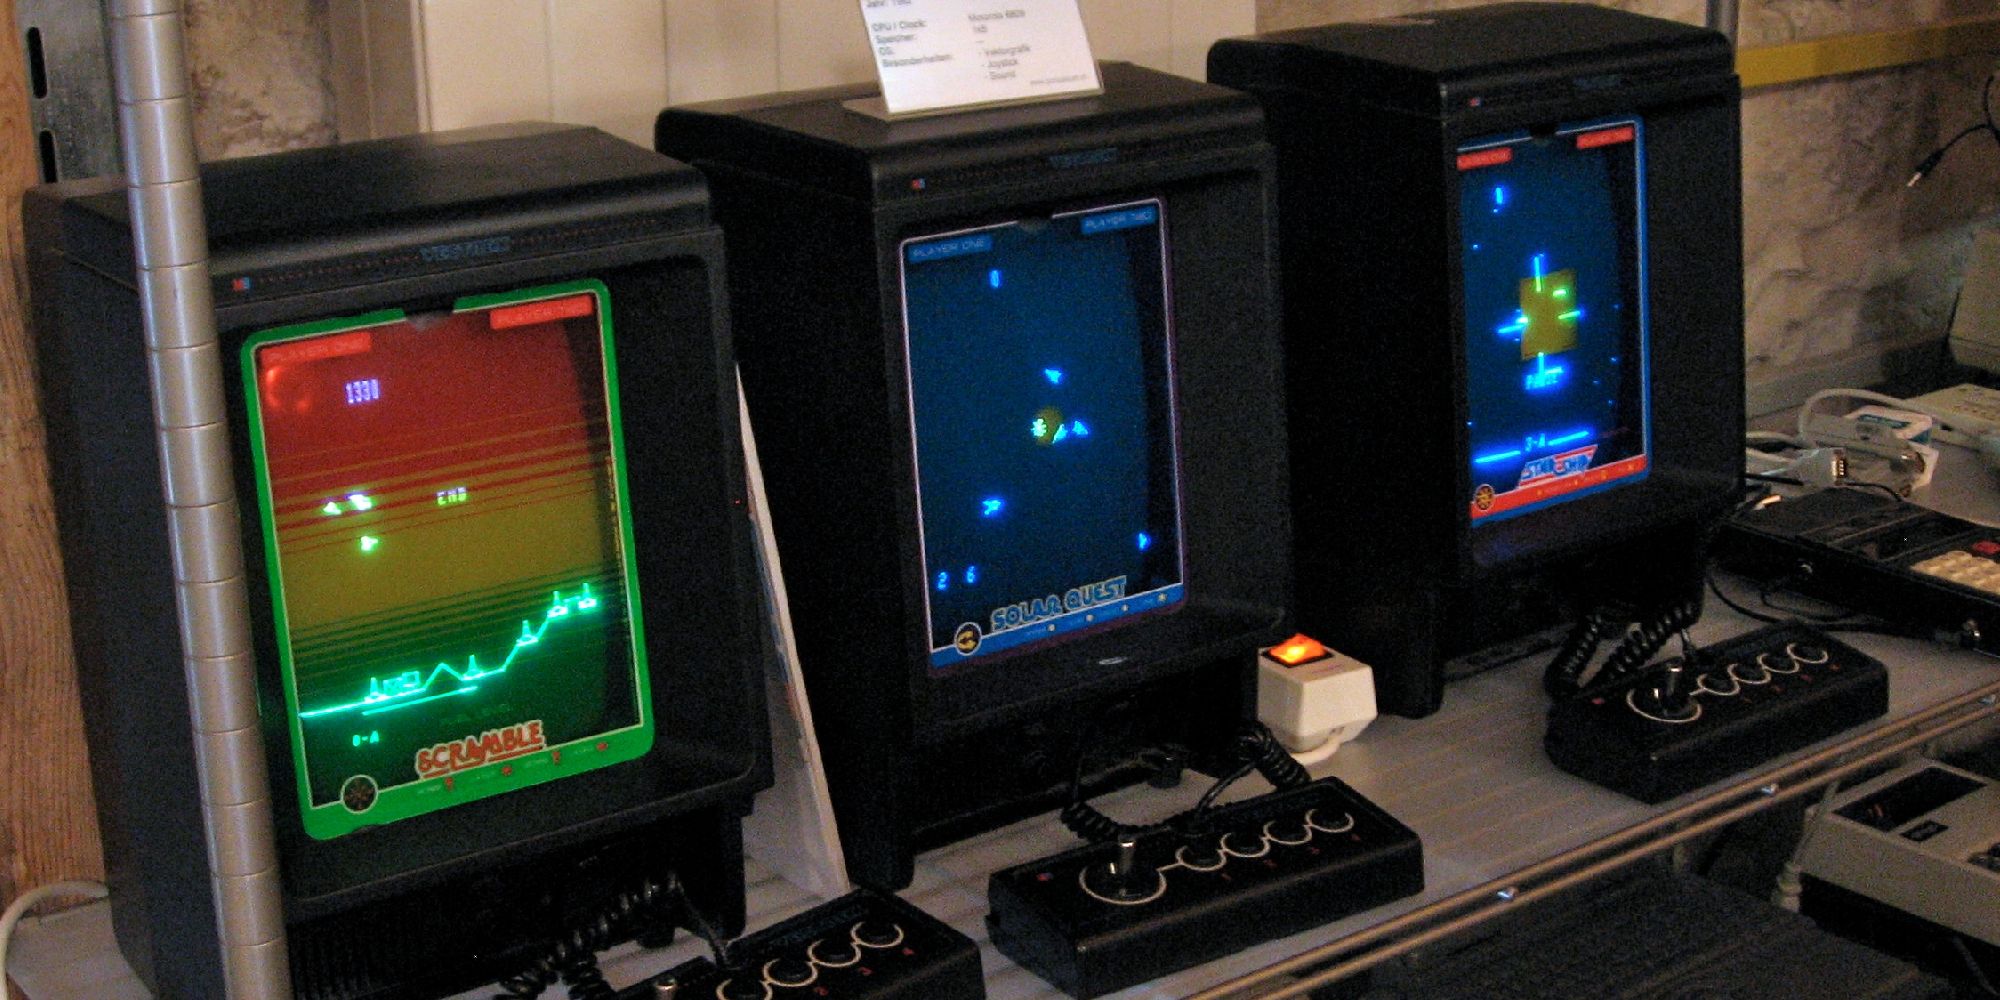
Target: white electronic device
column 1312, row 697
column 1975, row 324
column 1968, row 411
column 1923, row 838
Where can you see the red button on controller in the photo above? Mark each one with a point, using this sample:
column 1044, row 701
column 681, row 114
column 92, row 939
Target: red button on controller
column 1986, row 547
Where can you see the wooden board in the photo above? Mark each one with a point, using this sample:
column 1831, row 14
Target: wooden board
column 48, row 827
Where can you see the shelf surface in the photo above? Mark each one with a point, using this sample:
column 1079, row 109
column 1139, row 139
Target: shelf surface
column 1471, row 780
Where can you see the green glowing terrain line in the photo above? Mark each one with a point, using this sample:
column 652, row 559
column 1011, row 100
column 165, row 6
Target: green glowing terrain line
column 401, row 693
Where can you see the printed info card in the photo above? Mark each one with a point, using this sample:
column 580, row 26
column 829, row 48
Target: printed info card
column 935, row 55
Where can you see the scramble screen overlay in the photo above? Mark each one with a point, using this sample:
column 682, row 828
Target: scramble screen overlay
column 1555, row 315
column 1041, row 404
column 444, row 512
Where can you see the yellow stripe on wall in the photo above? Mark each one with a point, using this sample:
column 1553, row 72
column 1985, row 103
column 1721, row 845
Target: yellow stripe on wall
column 1860, row 53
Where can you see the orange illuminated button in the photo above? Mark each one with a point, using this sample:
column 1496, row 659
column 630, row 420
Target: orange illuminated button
column 1298, row 650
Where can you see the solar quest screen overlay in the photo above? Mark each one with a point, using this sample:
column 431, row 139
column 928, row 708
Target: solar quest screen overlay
column 444, row 508
column 1555, row 315
column 1041, row 405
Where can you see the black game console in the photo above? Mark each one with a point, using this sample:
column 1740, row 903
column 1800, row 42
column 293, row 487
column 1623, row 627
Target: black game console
column 1876, row 554
column 1103, row 917
column 1683, row 724
column 863, row 946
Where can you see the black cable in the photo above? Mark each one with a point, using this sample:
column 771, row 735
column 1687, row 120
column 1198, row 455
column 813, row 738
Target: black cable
column 1972, row 965
column 1888, row 628
column 1987, row 125
column 1646, row 638
column 1764, row 593
column 1195, row 816
column 1857, row 484
column 1848, row 484
column 1867, row 626
column 572, row 960
column 1276, row 764
column 1091, row 824
column 698, row 921
column 1081, row 818
column 1256, row 750
column 1563, row 677
column 1987, row 105
column 1716, row 589
column 1772, row 477
column 1260, row 751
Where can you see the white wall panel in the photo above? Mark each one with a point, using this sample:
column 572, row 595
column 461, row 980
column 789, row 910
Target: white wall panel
column 405, row 65
column 608, row 64
column 348, row 64
column 1198, row 23
column 1140, row 31
column 717, row 50
column 821, row 43
column 485, row 61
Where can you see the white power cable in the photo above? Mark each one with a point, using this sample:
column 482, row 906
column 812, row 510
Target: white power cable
column 21, row 906
column 1785, row 895
column 1811, row 406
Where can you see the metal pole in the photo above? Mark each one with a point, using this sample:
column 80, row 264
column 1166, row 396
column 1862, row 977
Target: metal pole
column 1723, row 16
column 170, row 249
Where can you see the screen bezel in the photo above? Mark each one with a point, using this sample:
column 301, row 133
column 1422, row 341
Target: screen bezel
column 697, row 577
column 394, row 803
column 1467, row 506
column 1170, row 598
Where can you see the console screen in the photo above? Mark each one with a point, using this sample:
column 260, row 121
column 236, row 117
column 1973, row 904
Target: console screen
column 1041, row 405
column 448, row 542
column 1555, row 315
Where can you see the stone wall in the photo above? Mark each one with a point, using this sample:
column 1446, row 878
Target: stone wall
column 260, row 75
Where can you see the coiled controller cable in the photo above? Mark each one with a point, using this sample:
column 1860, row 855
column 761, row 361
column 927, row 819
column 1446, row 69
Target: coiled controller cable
column 1256, row 750
column 1645, row 640
column 572, row 960
column 1563, row 678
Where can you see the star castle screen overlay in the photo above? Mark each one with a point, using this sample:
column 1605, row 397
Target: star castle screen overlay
column 1555, row 321
column 443, row 503
column 1041, row 397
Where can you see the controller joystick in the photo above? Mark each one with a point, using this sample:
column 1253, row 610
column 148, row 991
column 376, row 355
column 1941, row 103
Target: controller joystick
column 1124, row 879
column 1665, row 732
column 1106, row 916
column 1670, row 695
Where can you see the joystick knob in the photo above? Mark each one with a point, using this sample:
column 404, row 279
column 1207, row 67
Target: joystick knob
column 1124, row 879
column 1128, row 858
column 1128, row 880
column 1671, row 695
